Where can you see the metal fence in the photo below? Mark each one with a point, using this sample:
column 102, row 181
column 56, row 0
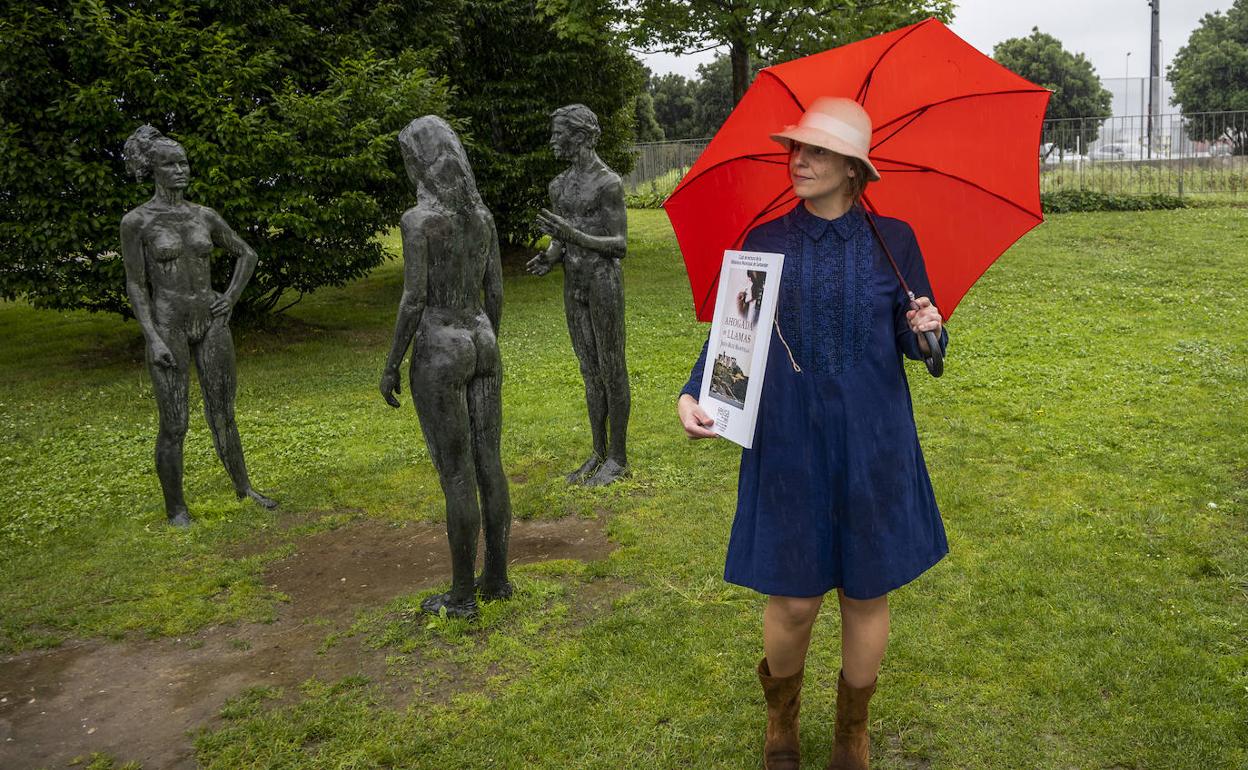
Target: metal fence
column 1138, row 154
column 660, row 165
column 1130, row 154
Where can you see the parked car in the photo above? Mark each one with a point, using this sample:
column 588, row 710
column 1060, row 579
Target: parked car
column 1116, row 151
column 1053, row 156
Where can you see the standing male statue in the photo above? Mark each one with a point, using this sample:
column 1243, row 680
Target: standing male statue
column 449, row 315
column 588, row 230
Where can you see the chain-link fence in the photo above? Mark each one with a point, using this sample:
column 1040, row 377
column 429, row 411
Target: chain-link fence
column 1131, row 154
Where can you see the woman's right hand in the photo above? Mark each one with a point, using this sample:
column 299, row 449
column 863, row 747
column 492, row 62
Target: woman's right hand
column 161, row 354
column 697, row 423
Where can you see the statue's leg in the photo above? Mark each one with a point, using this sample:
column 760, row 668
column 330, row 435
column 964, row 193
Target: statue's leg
column 214, row 359
column 170, row 386
column 486, row 414
column 607, row 319
column 580, row 329
column 440, row 369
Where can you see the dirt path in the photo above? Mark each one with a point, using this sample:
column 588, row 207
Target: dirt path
column 142, row 700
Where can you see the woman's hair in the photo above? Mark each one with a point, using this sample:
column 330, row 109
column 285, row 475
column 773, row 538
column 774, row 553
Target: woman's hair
column 579, row 118
column 420, row 144
column 139, row 148
column 861, row 177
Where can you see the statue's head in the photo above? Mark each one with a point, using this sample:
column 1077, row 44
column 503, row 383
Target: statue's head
column 571, row 128
column 435, row 159
column 150, row 153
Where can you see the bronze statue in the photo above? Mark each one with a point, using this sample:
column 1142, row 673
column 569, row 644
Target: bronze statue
column 452, row 302
column 167, row 246
column 588, row 229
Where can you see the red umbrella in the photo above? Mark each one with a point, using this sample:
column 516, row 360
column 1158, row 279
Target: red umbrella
column 955, row 141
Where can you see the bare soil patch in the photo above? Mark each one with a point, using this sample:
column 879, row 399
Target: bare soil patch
column 142, row 700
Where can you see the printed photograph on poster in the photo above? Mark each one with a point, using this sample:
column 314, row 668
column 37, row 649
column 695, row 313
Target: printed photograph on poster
column 730, row 373
column 745, row 307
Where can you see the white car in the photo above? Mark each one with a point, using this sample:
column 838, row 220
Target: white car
column 1116, row 151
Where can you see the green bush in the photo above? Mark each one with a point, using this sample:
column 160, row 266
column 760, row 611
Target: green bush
column 1067, row 201
column 514, row 65
column 288, row 120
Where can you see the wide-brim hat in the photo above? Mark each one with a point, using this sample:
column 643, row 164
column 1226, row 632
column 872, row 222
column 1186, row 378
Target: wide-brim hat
column 836, row 124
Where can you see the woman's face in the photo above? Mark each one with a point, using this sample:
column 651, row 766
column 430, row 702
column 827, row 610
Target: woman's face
column 170, row 168
column 817, row 173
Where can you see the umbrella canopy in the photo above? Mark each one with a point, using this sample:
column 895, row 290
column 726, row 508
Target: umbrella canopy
column 955, row 139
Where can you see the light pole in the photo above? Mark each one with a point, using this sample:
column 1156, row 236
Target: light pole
column 1126, row 87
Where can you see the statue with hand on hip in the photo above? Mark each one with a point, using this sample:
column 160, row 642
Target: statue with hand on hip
column 167, row 246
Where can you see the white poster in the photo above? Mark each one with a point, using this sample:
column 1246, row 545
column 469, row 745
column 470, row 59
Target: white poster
column 736, row 358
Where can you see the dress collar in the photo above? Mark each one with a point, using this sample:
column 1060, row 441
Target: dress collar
column 845, row 226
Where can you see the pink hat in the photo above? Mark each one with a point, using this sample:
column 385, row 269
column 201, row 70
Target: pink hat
column 836, row 124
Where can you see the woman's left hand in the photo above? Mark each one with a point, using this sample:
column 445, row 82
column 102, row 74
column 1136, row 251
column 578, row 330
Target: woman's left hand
column 924, row 317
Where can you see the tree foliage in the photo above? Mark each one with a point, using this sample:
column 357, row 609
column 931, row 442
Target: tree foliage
column 693, row 109
column 288, row 113
column 1210, row 74
column 515, row 62
column 295, row 150
column 645, row 121
column 1077, row 89
column 770, row 30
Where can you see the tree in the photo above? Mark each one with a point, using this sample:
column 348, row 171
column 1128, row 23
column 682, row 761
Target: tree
column 712, row 95
column 645, row 120
column 674, row 104
column 515, row 62
column 1077, row 90
column 1210, row 74
column 772, row 30
column 647, row 128
column 287, row 114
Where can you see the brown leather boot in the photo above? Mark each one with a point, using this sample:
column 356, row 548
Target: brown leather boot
column 851, row 749
column 784, row 699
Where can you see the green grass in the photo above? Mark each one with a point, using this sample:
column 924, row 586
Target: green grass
column 1086, row 446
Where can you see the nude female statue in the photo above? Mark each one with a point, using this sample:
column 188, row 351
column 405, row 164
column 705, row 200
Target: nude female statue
column 452, row 302
column 588, row 230
column 167, row 246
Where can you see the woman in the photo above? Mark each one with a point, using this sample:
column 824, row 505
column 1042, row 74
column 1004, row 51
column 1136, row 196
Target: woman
column 452, row 303
column 834, row 493
column 167, row 245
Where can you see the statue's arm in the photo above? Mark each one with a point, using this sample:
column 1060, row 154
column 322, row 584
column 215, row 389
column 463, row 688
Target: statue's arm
column 611, row 216
column 245, row 263
column 136, row 278
column 615, row 219
column 494, row 280
column 415, row 293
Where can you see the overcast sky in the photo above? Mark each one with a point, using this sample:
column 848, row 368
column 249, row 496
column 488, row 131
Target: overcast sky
column 1102, row 30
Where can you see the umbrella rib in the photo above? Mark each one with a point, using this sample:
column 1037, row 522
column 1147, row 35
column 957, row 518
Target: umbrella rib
column 776, row 203
column 760, row 157
column 914, row 167
column 861, row 98
column 915, row 116
column 786, row 88
column 919, row 110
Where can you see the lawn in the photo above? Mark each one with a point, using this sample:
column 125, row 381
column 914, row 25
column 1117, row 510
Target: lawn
column 1086, row 445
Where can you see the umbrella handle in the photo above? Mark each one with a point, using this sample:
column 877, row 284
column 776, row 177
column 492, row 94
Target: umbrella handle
column 936, row 359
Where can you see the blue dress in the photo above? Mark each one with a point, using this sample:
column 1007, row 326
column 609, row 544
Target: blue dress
column 834, row 492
